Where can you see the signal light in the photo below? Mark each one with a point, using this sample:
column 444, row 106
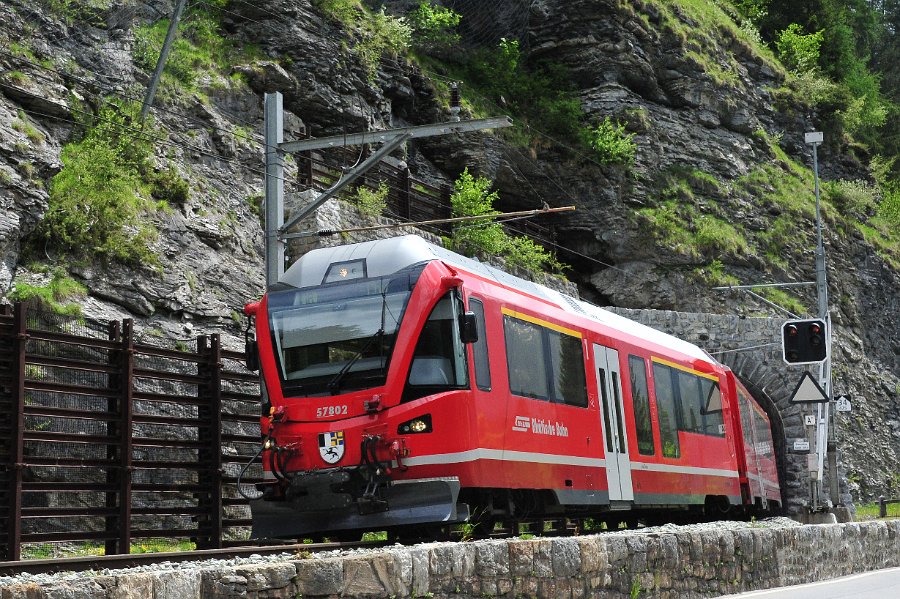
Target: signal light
column 803, row 341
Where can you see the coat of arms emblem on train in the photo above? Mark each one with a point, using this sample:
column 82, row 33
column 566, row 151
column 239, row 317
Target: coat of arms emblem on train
column 331, row 446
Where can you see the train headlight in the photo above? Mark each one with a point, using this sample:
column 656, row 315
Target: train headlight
column 269, row 444
column 422, row 424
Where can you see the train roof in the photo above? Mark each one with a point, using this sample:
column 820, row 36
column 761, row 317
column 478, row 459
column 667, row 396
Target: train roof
column 387, row 256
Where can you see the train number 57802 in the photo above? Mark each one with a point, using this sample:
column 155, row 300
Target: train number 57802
column 328, row 411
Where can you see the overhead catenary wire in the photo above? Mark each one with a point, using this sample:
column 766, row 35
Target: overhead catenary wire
column 457, row 219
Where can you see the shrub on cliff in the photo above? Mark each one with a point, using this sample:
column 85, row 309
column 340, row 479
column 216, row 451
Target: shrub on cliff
column 100, row 199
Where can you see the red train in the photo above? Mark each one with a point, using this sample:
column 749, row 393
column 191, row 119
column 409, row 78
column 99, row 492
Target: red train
column 408, row 387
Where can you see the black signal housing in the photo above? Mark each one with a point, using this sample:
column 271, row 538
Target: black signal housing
column 804, row 341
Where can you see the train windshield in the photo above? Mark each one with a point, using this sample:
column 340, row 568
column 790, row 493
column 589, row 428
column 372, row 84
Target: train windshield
column 338, row 337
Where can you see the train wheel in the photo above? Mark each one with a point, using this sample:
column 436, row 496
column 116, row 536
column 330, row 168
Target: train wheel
column 717, row 507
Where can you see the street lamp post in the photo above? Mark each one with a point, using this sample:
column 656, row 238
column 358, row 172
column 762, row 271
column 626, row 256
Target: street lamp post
column 814, row 138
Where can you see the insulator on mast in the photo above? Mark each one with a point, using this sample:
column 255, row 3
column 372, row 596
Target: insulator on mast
column 454, row 102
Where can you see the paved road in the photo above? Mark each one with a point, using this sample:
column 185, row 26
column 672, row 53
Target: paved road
column 879, row 584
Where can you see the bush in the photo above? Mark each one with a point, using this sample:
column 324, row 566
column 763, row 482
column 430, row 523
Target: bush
column 471, row 197
column 851, row 198
column 434, row 26
column 379, row 33
column 99, row 200
column 797, row 51
column 540, row 93
column 372, row 203
column 611, row 143
column 889, row 208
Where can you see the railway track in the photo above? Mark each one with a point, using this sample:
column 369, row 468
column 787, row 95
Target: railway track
column 114, row 562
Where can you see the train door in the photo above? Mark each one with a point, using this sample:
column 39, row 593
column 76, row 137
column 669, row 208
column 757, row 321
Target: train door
column 612, row 415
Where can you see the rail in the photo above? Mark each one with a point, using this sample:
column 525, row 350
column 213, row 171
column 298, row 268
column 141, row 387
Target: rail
column 109, row 440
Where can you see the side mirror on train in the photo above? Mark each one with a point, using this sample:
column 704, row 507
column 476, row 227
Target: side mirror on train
column 468, row 329
column 251, row 355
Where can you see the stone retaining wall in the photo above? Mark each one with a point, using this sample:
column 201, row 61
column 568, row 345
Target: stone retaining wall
column 678, row 564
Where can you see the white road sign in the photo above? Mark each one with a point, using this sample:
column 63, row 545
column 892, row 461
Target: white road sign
column 801, row 445
column 809, row 420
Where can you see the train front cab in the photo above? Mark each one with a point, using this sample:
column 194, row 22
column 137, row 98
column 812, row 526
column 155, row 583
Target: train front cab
column 367, row 385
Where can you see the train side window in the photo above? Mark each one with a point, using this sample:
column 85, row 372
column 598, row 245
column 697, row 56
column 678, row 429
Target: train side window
column 567, row 360
column 480, row 348
column 604, row 398
column 711, row 408
column 689, row 390
column 525, row 359
column 439, row 360
column 667, row 406
column 641, row 399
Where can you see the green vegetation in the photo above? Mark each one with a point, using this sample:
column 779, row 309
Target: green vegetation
column 798, row 51
column 23, row 50
column 785, row 299
column 199, row 56
column 434, row 26
column 377, row 33
column 255, row 204
column 710, row 34
column 611, row 143
column 100, row 200
column 54, row 295
column 17, row 77
column 472, row 197
column 23, row 125
column 90, row 11
column 370, row 202
column 714, row 274
column 63, row 550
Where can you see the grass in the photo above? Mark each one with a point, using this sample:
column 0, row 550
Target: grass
column 84, row 549
column 23, row 125
column 786, row 300
column 197, row 55
column 869, row 511
column 709, row 33
column 55, row 295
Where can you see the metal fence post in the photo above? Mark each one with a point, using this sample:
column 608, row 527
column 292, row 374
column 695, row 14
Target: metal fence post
column 17, row 441
column 210, row 435
column 122, row 428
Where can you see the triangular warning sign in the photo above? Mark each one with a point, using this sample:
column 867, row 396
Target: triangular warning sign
column 808, row 391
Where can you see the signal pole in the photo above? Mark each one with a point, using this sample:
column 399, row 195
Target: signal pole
column 824, row 426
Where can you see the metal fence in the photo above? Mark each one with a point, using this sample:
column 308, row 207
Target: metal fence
column 109, row 441
column 883, row 509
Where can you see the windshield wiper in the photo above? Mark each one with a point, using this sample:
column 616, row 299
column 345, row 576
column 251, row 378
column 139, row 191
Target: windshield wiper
column 336, row 381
